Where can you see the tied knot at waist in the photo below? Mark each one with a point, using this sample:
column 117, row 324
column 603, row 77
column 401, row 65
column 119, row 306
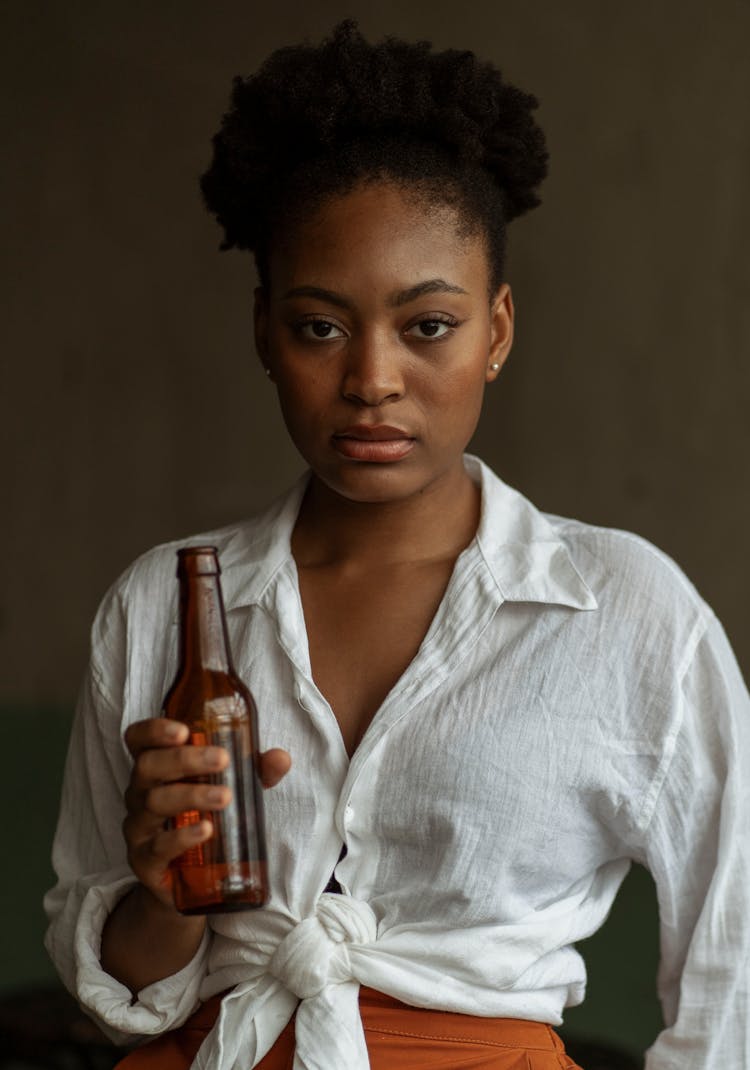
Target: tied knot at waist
column 315, row 953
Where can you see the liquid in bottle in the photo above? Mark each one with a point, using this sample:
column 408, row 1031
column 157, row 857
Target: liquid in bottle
column 228, row 872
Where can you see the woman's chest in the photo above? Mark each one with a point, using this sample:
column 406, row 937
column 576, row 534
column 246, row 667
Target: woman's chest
column 363, row 633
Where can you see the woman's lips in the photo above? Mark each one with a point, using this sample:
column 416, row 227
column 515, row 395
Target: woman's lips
column 379, row 444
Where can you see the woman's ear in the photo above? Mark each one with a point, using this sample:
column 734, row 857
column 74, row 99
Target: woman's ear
column 260, row 321
column 501, row 331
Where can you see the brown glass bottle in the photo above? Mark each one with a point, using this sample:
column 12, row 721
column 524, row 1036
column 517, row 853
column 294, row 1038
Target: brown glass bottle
column 227, row 872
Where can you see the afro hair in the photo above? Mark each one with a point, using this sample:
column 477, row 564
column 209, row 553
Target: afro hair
column 316, row 120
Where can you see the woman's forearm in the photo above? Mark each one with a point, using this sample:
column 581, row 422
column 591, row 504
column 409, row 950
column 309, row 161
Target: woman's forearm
column 145, row 941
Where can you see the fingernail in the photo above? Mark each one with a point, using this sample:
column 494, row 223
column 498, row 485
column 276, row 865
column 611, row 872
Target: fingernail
column 213, row 756
column 215, row 796
column 200, row 830
column 173, row 729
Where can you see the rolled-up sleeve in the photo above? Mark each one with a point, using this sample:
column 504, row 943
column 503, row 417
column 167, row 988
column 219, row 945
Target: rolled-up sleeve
column 89, row 857
column 698, row 850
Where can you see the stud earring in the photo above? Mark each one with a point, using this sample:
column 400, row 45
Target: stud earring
column 494, row 367
column 268, row 372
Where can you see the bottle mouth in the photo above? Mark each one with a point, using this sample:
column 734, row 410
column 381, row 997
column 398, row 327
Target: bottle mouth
column 198, row 561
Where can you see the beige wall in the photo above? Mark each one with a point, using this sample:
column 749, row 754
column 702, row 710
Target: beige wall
column 133, row 409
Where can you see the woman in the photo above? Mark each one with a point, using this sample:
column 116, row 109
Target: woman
column 490, row 711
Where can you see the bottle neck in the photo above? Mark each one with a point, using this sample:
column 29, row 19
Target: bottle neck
column 204, row 643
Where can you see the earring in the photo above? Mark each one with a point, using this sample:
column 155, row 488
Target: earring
column 494, row 367
column 268, row 372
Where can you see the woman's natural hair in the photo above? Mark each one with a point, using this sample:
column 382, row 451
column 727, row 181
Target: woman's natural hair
column 315, row 122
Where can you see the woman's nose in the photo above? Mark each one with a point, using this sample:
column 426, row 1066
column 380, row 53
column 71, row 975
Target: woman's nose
column 374, row 372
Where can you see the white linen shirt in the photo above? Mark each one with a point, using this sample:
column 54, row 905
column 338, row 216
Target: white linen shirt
column 575, row 705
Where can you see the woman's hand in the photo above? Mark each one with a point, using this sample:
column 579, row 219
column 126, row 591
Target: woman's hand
column 158, row 791
column 145, row 938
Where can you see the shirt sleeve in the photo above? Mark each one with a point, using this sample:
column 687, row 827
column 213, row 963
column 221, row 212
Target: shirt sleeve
column 698, row 850
column 89, row 859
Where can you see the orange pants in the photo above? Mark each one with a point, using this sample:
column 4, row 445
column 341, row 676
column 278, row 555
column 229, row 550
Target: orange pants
column 399, row 1037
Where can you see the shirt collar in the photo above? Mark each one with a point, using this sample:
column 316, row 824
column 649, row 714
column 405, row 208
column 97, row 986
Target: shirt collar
column 257, row 549
column 527, row 559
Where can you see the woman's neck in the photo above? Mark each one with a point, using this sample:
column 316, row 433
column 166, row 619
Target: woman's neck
column 434, row 525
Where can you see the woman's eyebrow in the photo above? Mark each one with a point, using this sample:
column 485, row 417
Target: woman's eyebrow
column 319, row 293
column 431, row 286
column 403, row 297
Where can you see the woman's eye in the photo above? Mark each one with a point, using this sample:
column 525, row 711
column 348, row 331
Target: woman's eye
column 432, row 328
column 319, row 330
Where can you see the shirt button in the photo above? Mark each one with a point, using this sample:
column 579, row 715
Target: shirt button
column 348, row 814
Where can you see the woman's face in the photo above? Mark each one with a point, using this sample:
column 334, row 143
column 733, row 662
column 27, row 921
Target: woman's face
column 379, row 335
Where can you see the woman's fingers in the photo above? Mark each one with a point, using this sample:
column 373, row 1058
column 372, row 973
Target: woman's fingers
column 159, row 756
column 169, row 800
column 158, row 848
column 167, row 764
column 150, row 856
column 154, row 732
column 169, row 778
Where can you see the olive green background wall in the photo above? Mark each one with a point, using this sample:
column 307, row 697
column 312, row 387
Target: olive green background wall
column 133, row 407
